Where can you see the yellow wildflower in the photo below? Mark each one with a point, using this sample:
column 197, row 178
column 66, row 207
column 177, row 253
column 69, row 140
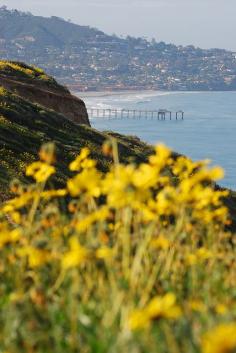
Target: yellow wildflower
column 75, row 256
column 221, row 339
column 16, row 217
column 199, row 256
column 9, row 236
column 40, row 171
column 120, row 190
column 165, row 204
column 164, row 307
column 18, row 202
column 104, row 253
column 139, row 319
column 53, row 193
column 191, row 259
column 88, row 164
column 204, row 254
column 197, row 305
column 83, row 224
column 87, row 181
column 159, row 307
column 183, row 167
column 76, row 164
column 217, row 173
column 221, row 309
column 145, row 176
column 160, row 242
column 161, row 158
column 36, row 257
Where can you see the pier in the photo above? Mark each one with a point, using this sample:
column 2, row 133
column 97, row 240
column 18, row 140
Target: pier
column 161, row 114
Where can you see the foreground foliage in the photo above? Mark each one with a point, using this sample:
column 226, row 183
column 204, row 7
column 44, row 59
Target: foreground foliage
column 135, row 259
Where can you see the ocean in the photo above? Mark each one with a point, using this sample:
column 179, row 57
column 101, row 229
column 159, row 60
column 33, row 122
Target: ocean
column 208, row 130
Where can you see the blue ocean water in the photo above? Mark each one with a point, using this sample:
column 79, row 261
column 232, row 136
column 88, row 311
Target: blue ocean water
column 207, row 132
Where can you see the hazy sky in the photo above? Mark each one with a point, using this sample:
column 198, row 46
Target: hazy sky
column 204, row 23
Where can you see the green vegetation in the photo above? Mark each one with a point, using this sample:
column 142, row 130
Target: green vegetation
column 30, row 74
column 11, row 67
column 25, row 126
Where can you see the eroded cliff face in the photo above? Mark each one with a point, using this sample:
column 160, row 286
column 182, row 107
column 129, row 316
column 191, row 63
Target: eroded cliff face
column 43, row 90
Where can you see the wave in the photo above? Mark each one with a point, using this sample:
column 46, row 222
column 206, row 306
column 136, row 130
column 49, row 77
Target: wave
column 119, row 100
column 144, row 101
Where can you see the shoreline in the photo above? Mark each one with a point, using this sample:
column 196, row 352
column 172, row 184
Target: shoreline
column 91, row 94
column 101, row 94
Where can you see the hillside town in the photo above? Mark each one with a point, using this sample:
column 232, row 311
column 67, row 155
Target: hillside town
column 94, row 61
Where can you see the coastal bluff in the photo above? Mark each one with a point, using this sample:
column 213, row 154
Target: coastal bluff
column 34, row 85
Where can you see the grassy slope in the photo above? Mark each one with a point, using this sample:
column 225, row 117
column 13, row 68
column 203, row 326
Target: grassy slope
column 25, row 126
column 30, row 75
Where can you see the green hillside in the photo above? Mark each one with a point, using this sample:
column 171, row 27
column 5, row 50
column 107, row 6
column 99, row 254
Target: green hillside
column 30, row 75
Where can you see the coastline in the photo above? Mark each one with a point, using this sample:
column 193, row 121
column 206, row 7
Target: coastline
column 100, row 94
column 92, row 94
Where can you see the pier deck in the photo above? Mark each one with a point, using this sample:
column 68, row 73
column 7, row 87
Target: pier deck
column 161, row 114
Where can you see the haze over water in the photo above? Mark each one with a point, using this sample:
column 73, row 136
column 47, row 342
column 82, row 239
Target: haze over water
column 207, row 132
